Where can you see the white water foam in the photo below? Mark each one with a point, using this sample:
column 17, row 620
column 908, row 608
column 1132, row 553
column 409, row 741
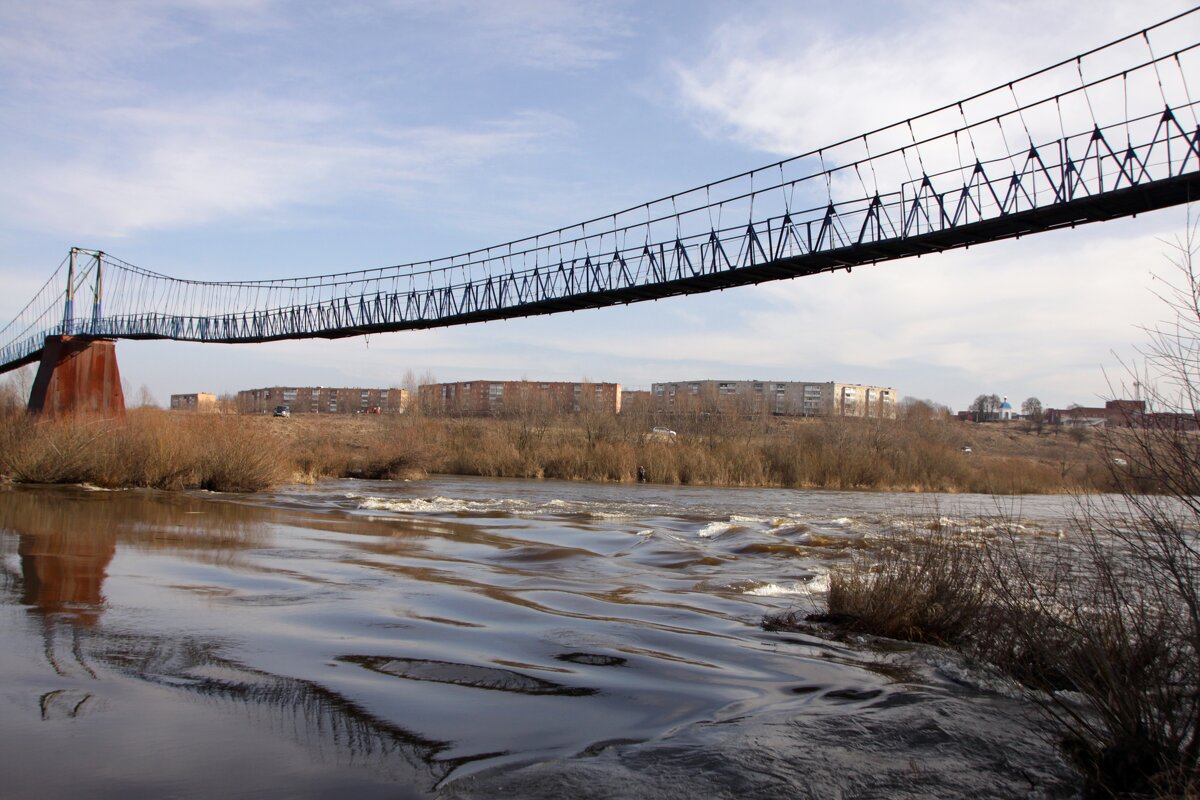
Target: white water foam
column 818, row 585
column 715, row 529
column 754, row 520
column 434, row 505
column 451, row 505
column 778, row 589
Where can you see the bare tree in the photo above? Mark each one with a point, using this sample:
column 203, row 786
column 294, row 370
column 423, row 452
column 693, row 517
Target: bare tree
column 1033, row 413
column 985, row 407
column 425, row 403
column 914, row 408
column 145, row 397
column 1126, row 632
column 12, row 399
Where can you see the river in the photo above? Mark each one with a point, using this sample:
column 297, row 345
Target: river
column 470, row 638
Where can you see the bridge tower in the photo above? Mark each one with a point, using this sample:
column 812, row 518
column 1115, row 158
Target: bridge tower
column 78, row 375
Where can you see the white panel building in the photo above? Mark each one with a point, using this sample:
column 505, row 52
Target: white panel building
column 783, row 398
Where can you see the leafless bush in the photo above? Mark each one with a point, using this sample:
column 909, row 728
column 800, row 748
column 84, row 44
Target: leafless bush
column 1109, row 617
column 1103, row 627
column 233, row 457
column 1139, row 654
column 61, row 452
column 928, row 589
column 1095, row 630
column 149, row 449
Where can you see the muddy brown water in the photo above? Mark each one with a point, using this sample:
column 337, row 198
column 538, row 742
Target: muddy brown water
column 460, row 637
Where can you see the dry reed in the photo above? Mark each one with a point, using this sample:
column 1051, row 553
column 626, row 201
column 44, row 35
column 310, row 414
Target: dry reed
column 171, row 450
column 150, row 449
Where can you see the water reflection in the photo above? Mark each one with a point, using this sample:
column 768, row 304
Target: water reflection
column 66, row 540
column 329, row 726
column 62, row 572
column 472, row 675
column 67, row 537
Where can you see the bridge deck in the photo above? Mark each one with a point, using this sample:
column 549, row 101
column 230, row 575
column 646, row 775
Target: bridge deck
column 1130, row 201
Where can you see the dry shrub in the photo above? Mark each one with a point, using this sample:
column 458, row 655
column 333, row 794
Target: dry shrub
column 1113, row 618
column 387, row 447
column 1013, row 476
column 151, row 448
column 233, row 456
column 929, row 589
column 1102, row 629
column 51, row 452
column 913, row 452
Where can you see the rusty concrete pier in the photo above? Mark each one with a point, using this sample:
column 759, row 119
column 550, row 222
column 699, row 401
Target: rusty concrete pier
column 78, row 376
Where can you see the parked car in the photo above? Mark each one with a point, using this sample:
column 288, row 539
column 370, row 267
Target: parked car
column 282, row 411
column 663, row 433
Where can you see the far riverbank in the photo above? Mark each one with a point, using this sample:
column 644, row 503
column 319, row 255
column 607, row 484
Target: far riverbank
column 919, row 452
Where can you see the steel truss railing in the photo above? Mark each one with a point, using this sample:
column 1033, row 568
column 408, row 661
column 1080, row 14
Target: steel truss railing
column 948, row 178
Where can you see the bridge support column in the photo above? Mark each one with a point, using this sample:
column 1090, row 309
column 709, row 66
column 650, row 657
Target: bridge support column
column 76, row 377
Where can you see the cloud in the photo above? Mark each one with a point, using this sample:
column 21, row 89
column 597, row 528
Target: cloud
column 542, row 34
column 108, row 135
column 805, row 81
column 190, row 162
column 78, row 48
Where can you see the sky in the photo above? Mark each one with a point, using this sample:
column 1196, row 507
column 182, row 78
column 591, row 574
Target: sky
column 236, row 139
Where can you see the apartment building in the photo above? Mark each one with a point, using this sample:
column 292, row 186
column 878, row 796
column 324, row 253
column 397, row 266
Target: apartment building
column 783, row 398
column 500, row 398
column 322, row 400
column 200, row 401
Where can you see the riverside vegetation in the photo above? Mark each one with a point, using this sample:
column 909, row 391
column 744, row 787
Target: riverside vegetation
column 1102, row 627
column 922, row 450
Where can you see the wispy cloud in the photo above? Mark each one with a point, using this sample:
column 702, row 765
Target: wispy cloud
column 804, row 81
column 142, row 168
column 545, row 34
column 100, row 143
column 79, row 48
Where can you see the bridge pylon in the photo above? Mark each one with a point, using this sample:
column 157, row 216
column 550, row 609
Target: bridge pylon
column 77, row 377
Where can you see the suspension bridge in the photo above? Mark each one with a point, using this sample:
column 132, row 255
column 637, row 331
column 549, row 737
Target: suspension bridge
column 1111, row 132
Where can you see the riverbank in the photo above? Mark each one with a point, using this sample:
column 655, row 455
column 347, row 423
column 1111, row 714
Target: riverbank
column 172, row 450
